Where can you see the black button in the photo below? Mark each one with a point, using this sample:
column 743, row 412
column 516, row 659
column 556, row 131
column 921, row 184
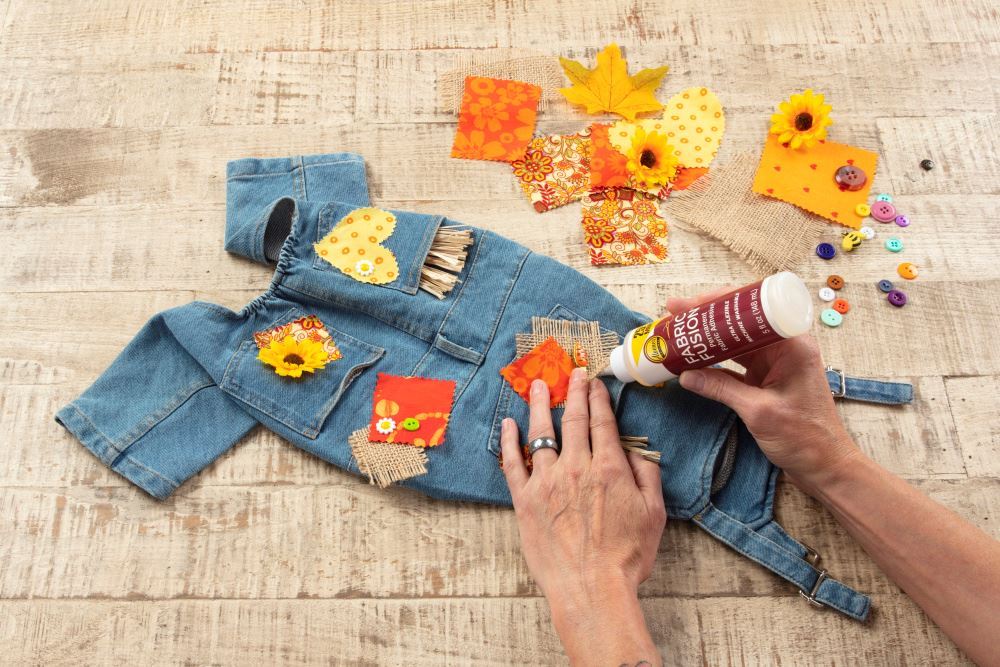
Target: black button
column 927, row 165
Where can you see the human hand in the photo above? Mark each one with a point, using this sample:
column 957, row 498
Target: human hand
column 785, row 401
column 590, row 521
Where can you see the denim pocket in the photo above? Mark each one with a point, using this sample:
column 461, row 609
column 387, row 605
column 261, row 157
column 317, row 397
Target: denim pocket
column 510, row 404
column 301, row 404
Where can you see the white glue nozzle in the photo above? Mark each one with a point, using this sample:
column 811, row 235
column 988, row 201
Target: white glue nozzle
column 618, row 367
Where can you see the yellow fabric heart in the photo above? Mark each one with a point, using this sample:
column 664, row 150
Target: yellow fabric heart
column 353, row 246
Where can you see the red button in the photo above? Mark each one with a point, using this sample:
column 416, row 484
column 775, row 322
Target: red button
column 850, row 178
column 841, row 306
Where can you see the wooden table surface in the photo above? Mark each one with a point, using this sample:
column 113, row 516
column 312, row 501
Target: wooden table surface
column 116, row 121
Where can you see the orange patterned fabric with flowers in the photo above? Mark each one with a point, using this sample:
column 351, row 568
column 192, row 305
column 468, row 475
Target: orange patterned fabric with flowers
column 496, row 120
column 555, row 170
column 624, row 227
column 546, row 361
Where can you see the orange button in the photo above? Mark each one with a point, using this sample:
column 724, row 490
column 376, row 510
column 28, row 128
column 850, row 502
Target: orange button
column 841, row 306
column 907, row 270
column 835, row 282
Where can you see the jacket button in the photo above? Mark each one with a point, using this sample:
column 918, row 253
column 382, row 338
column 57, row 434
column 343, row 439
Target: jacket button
column 927, row 165
column 826, row 251
column 902, row 221
column 411, row 424
column 834, row 282
column 893, row 244
column 827, row 294
column 885, row 285
column 907, row 270
column 841, row 306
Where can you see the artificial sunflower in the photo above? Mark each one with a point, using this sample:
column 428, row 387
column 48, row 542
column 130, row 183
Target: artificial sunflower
column 802, row 120
column 290, row 357
column 651, row 160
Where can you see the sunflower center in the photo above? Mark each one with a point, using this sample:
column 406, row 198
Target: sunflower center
column 294, row 359
column 647, row 158
column 803, row 121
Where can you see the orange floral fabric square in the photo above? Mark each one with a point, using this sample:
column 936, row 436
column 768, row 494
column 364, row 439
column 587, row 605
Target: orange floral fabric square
column 410, row 410
column 546, row 361
column 555, row 170
column 496, row 120
column 624, row 227
column 805, row 177
column 309, row 328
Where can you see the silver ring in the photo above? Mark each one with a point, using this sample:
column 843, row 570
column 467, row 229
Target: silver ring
column 543, row 443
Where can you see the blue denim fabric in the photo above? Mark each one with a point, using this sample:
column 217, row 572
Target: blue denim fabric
column 189, row 386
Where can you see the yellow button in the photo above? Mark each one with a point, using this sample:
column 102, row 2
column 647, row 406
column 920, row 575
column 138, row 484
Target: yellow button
column 907, row 270
column 863, row 210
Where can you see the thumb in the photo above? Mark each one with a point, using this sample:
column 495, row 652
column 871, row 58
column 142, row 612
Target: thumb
column 719, row 385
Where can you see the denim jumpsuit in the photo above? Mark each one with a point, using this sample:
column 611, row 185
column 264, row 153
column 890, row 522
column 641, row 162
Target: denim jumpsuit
column 190, row 386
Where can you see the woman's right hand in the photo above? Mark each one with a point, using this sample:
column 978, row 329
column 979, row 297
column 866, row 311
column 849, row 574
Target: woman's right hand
column 786, row 403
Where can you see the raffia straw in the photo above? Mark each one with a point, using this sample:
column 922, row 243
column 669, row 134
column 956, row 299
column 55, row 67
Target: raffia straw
column 638, row 444
column 445, row 260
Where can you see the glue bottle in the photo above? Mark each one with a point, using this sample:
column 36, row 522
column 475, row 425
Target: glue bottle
column 746, row 319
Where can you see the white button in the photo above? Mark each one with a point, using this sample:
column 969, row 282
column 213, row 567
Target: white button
column 868, row 233
column 827, row 294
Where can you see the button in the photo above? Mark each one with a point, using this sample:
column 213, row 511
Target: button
column 927, row 165
column 831, row 318
column 835, row 282
column 841, row 306
column 863, row 210
column 902, row 221
column 826, row 250
column 893, row 244
column 851, row 241
column 411, row 424
column 883, row 211
column 827, row 294
column 907, row 270
column 868, row 233
column 896, row 298
column 850, row 178
column 884, row 197
column 885, row 285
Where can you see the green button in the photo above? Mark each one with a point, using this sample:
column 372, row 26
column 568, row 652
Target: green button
column 893, row 244
column 831, row 318
column 411, row 424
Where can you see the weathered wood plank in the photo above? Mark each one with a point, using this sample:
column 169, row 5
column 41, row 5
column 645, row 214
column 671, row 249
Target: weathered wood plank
column 687, row 631
column 974, row 406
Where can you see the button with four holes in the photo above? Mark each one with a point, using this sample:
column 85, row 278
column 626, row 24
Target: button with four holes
column 884, row 197
column 831, row 318
column 883, row 211
column 902, row 221
column 896, row 298
column 893, row 244
column 849, row 177
column 885, row 285
column 863, row 210
column 834, row 282
column 907, row 270
column 841, row 306
column 826, row 250
column 827, row 294
column 867, row 232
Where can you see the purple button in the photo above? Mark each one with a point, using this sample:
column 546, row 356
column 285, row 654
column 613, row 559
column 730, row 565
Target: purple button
column 902, row 221
column 850, row 178
column 896, row 298
column 883, row 211
column 826, row 250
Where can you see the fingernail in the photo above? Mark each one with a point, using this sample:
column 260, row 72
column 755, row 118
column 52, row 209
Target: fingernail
column 537, row 386
column 693, row 380
column 578, row 374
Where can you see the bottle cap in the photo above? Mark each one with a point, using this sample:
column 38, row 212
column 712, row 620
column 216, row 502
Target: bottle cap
column 618, row 365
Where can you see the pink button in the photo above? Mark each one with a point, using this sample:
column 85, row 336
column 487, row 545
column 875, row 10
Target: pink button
column 883, row 211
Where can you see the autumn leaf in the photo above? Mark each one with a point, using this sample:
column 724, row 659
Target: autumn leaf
column 608, row 87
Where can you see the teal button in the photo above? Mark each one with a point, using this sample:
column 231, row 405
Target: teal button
column 411, row 424
column 893, row 244
column 831, row 318
column 884, row 197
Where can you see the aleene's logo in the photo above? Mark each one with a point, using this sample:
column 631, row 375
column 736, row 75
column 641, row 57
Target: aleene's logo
column 655, row 349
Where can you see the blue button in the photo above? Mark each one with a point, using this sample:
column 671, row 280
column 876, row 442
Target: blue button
column 826, row 250
column 831, row 318
column 885, row 285
column 884, row 197
column 893, row 244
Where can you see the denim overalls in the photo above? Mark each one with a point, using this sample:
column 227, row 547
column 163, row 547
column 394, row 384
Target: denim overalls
column 189, row 386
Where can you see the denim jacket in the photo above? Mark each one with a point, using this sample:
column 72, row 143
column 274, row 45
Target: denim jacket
column 189, row 386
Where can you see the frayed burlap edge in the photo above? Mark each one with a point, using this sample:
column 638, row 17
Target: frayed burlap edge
column 512, row 64
column 771, row 235
column 385, row 463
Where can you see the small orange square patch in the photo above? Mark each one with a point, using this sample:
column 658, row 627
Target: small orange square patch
column 546, row 361
column 497, row 119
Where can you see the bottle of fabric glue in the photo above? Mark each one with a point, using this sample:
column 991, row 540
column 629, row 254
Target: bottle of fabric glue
column 742, row 321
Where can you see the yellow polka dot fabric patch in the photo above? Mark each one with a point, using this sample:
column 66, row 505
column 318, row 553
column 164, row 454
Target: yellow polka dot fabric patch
column 693, row 124
column 354, row 246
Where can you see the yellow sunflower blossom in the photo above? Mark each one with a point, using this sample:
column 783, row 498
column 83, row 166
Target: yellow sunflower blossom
column 802, row 120
column 291, row 358
column 651, row 160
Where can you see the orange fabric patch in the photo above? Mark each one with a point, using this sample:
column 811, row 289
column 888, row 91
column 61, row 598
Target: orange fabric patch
column 624, row 227
column 548, row 362
column 410, row 410
column 308, row 327
column 804, row 177
column 497, row 119
column 608, row 166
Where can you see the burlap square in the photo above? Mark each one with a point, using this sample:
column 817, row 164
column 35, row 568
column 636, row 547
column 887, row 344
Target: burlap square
column 511, row 64
column 386, row 462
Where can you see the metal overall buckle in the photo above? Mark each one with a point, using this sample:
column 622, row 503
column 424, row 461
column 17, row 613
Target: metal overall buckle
column 842, row 390
column 813, row 558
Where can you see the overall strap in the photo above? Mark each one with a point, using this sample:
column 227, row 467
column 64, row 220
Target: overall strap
column 870, row 391
column 770, row 546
